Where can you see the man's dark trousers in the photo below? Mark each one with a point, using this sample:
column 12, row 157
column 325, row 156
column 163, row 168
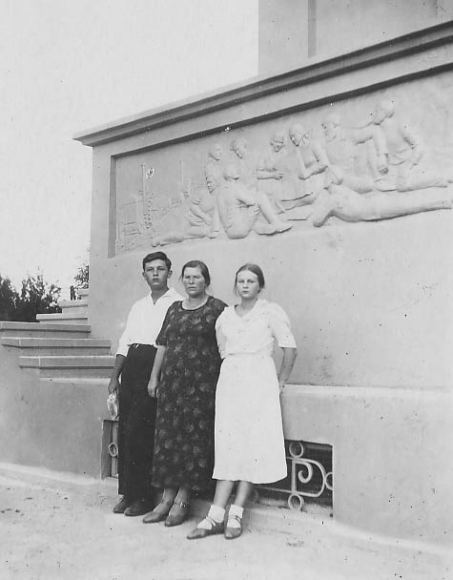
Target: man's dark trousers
column 137, row 416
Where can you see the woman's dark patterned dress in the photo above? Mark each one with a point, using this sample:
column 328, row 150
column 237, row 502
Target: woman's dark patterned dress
column 184, row 438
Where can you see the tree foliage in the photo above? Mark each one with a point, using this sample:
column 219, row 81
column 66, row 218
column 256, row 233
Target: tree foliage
column 82, row 277
column 8, row 299
column 36, row 296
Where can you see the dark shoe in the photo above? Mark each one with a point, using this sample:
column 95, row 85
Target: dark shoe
column 138, row 508
column 233, row 532
column 159, row 513
column 120, row 506
column 177, row 514
column 197, row 533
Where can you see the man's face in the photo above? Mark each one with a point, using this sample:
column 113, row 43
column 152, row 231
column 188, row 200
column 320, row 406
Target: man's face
column 216, row 152
column 156, row 275
column 330, row 129
column 277, row 145
column 240, row 149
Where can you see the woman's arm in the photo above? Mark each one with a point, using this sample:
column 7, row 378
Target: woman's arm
column 289, row 356
column 155, row 373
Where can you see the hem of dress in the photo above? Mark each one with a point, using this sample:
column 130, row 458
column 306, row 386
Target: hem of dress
column 255, row 480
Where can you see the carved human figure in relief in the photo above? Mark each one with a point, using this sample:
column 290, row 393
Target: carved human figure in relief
column 247, row 174
column 342, row 153
column 214, row 165
column 200, row 213
column 309, row 163
column 272, row 169
column 240, row 207
column 190, row 216
column 403, row 153
column 338, row 200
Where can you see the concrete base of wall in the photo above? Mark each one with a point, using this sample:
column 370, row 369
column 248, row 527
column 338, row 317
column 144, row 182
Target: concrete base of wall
column 392, row 455
column 55, row 424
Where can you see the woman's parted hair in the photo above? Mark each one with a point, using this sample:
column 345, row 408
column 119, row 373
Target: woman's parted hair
column 203, row 269
column 255, row 269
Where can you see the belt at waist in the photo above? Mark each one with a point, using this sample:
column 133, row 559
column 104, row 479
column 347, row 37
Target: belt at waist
column 139, row 344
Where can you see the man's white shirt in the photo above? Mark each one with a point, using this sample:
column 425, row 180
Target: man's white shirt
column 145, row 320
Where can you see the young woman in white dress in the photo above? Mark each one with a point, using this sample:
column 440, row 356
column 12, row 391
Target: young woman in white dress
column 249, row 444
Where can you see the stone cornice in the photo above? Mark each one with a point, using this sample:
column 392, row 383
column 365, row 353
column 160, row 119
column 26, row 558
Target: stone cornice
column 416, row 43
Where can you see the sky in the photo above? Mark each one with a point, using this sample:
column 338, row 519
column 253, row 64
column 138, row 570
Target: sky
column 70, row 65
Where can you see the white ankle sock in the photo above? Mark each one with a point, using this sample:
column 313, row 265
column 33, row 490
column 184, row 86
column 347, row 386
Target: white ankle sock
column 235, row 510
column 215, row 513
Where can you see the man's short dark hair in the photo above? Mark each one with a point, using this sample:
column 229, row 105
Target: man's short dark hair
column 157, row 256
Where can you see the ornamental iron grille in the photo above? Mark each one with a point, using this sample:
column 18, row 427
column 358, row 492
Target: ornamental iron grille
column 110, row 448
column 310, row 475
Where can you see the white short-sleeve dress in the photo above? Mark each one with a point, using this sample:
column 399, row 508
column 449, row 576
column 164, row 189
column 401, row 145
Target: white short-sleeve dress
column 249, row 444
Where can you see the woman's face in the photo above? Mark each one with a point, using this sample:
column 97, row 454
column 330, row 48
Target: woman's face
column 247, row 285
column 194, row 282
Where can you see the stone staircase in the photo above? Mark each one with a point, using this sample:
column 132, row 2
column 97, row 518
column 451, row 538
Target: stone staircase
column 59, row 345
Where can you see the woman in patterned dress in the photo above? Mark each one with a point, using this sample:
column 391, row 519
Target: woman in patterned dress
column 184, row 378
column 249, row 444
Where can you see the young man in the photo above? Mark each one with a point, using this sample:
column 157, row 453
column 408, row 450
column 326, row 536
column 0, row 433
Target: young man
column 137, row 410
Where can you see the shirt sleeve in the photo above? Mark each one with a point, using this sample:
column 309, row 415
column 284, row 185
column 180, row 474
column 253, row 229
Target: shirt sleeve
column 281, row 327
column 162, row 337
column 124, row 341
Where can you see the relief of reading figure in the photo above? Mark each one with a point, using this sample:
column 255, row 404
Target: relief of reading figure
column 339, row 201
column 247, row 175
column 193, row 215
column 271, row 171
column 310, row 161
column 403, row 153
column 214, row 166
column 240, row 207
column 341, row 151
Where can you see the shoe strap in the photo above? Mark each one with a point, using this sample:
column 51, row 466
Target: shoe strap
column 213, row 524
column 182, row 504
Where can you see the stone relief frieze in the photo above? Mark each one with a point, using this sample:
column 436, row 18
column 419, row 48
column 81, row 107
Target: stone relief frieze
column 286, row 175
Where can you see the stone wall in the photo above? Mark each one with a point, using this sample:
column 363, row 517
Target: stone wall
column 343, row 196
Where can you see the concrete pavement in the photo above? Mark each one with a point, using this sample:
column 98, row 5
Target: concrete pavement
column 59, row 526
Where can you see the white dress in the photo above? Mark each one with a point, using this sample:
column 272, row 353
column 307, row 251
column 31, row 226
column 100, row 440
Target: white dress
column 249, row 444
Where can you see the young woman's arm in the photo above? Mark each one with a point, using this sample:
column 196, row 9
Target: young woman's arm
column 289, row 356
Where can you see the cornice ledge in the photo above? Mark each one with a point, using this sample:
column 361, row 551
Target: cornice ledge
column 396, row 48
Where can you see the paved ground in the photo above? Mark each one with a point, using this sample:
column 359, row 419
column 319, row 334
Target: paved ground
column 59, row 527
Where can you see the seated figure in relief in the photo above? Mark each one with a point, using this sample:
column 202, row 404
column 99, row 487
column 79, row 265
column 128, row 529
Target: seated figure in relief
column 338, row 200
column 342, row 153
column 403, row 153
column 247, row 174
column 309, row 163
column 273, row 175
column 192, row 215
column 214, row 165
column 240, row 207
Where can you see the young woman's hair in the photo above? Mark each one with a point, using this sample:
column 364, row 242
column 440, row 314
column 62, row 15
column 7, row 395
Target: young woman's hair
column 251, row 268
column 203, row 269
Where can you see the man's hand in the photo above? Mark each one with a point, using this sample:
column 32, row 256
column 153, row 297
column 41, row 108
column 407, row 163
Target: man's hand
column 152, row 388
column 114, row 385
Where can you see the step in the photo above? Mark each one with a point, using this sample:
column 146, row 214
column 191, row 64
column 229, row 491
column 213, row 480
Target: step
column 43, row 329
column 69, row 366
column 57, row 346
column 75, row 306
column 73, row 303
column 63, row 317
